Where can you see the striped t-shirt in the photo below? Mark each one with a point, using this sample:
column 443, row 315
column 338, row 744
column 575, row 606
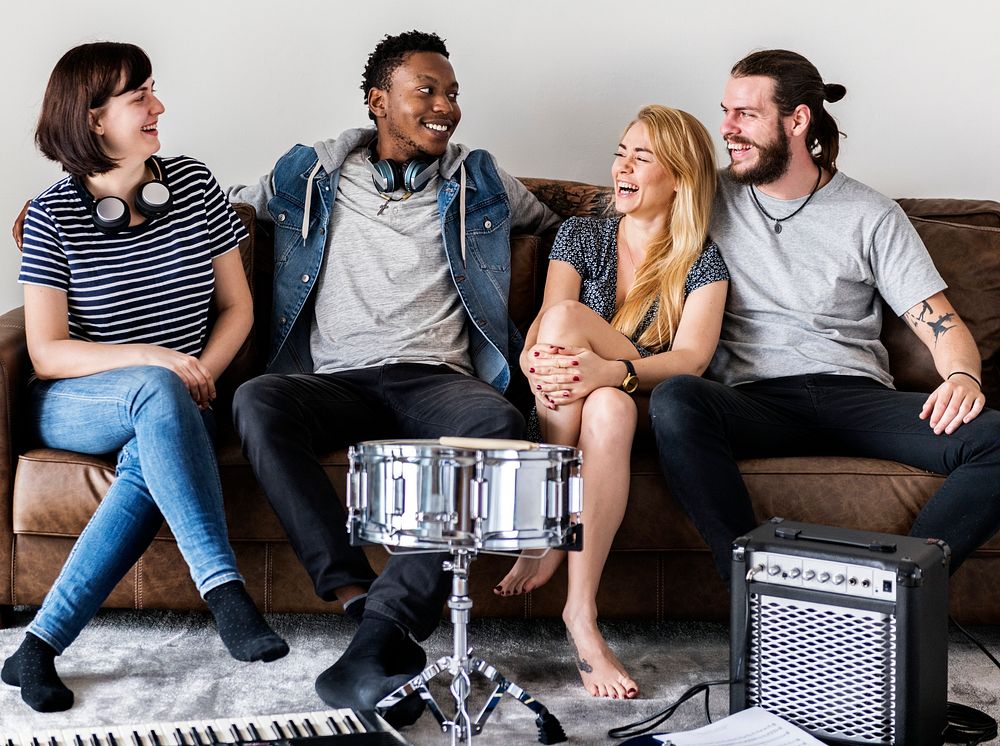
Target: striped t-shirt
column 149, row 284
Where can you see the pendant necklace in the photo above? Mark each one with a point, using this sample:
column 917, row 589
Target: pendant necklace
column 779, row 221
column 389, row 198
column 623, row 240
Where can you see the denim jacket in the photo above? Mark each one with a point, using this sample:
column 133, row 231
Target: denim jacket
column 482, row 280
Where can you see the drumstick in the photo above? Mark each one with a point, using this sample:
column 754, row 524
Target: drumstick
column 488, row 444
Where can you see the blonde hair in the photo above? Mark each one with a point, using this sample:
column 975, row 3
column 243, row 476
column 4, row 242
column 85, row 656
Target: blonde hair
column 682, row 145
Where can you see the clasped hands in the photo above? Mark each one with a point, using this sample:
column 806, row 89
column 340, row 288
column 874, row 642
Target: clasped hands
column 564, row 374
column 195, row 375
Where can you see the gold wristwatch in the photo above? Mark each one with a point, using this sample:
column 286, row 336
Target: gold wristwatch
column 631, row 382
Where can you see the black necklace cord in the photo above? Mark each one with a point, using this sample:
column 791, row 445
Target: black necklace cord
column 779, row 221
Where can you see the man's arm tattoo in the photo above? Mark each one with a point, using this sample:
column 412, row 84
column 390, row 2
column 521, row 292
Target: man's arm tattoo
column 939, row 327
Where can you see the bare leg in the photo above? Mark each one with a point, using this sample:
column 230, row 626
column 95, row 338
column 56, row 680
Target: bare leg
column 603, row 427
column 609, row 420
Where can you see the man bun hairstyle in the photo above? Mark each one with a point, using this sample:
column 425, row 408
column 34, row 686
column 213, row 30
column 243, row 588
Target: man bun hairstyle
column 833, row 92
column 390, row 54
column 84, row 79
column 797, row 81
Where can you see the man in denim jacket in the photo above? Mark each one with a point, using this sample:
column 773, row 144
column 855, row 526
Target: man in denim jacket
column 385, row 324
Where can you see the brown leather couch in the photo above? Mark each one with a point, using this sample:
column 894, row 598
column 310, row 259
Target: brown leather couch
column 659, row 567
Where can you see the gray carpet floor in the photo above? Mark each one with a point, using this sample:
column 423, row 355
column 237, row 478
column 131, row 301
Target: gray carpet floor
column 141, row 667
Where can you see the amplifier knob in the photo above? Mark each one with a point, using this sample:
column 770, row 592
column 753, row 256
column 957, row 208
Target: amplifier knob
column 809, row 575
column 838, row 579
column 773, row 569
column 824, row 577
column 794, row 572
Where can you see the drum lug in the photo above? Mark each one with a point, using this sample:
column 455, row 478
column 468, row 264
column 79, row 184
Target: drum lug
column 354, row 494
column 480, row 502
column 398, row 495
column 575, row 493
column 552, row 505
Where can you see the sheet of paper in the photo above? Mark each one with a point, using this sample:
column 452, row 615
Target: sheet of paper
column 753, row 727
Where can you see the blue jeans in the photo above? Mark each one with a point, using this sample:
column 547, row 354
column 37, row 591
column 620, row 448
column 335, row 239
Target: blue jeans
column 166, row 470
column 702, row 427
column 288, row 421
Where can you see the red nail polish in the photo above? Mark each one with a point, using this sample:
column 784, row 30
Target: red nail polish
column 576, row 378
column 565, row 393
column 538, row 386
column 536, row 353
column 531, row 370
column 576, row 362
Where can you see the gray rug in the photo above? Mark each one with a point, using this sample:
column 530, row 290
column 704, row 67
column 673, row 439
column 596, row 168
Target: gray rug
column 139, row 667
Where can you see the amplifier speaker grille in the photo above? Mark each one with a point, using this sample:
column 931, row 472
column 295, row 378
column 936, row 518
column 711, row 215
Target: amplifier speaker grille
column 828, row 669
column 842, row 632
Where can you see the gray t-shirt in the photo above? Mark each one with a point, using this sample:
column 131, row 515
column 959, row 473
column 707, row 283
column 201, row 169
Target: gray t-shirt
column 384, row 293
column 806, row 300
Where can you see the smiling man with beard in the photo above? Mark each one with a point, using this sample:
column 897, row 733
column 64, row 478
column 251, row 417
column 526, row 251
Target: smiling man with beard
column 386, row 324
column 800, row 369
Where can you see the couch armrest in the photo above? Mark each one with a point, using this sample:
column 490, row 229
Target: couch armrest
column 14, row 370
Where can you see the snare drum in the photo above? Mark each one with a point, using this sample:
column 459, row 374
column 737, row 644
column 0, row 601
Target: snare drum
column 431, row 495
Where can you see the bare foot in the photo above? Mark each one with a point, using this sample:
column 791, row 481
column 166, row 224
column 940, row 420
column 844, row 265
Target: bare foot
column 602, row 673
column 529, row 572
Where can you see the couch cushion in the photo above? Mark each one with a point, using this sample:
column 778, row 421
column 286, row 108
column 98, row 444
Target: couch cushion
column 56, row 492
column 968, row 211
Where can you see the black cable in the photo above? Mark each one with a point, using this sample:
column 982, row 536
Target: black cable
column 968, row 725
column 974, row 641
column 965, row 724
column 644, row 726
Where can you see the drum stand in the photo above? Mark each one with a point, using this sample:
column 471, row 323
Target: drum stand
column 461, row 666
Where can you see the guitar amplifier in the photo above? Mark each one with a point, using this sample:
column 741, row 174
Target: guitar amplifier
column 843, row 633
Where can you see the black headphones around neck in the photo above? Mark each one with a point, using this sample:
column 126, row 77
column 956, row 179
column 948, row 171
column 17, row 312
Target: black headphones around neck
column 111, row 214
column 388, row 175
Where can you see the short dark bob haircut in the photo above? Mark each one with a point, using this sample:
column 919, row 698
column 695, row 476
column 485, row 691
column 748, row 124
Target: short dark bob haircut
column 84, row 79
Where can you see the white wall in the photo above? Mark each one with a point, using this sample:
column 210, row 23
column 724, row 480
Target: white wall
column 546, row 84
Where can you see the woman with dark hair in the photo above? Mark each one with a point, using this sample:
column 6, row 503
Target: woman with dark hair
column 630, row 301
column 122, row 261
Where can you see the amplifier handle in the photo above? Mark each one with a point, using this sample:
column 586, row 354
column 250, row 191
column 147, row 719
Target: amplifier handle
column 796, row 534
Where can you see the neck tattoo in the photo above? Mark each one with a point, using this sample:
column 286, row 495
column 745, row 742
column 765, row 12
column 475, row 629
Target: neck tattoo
column 779, row 221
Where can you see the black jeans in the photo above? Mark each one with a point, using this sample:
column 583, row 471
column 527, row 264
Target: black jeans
column 703, row 427
column 287, row 422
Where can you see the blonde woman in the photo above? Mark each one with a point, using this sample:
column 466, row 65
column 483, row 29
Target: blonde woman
column 630, row 300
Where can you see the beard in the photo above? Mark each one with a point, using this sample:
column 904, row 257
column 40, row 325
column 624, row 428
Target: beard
column 409, row 145
column 772, row 160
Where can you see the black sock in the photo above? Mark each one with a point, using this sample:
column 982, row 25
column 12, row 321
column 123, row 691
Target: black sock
column 243, row 630
column 33, row 669
column 380, row 658
column 355, row 608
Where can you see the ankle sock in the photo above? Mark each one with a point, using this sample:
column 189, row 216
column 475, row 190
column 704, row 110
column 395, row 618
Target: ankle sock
column 33, row 668
column 242, row 628
column 380, row 658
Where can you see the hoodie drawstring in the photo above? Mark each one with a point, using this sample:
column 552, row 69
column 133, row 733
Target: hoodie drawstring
column 461, row 208
column 309, row 194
